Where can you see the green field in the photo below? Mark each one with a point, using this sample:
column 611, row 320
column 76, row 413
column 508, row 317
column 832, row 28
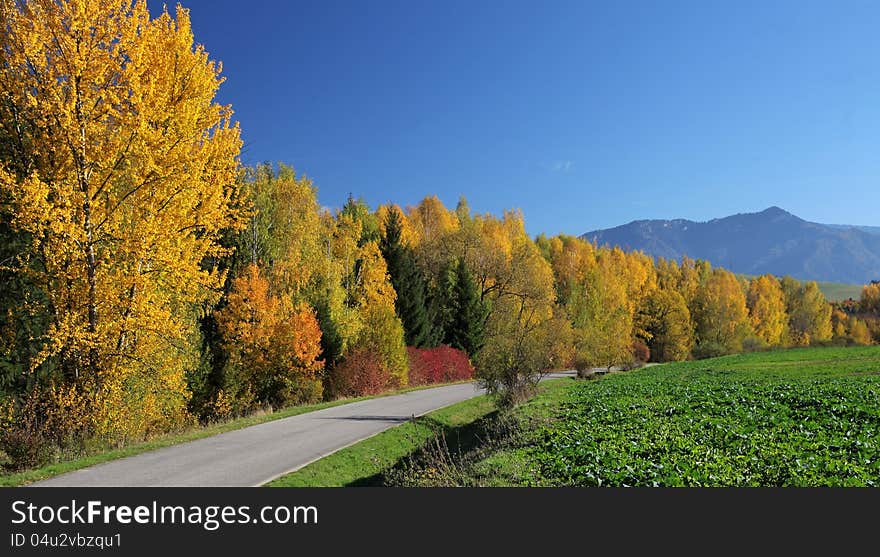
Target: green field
column 837, row 292
column 833, row 291
column 804, row 417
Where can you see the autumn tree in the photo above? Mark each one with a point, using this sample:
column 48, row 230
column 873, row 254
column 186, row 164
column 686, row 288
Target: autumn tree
column 516, row 283
column 766, row 303
column 721, row 318
column 870, row 299
column 118, row 165
column 358, row 211
column 809, row 314
column 375, row 330
column 601, row 317
column 572, row 260
column 858, row 331
column 432, row 225
column 665, row 321
column 839, row 324
column 274, row 346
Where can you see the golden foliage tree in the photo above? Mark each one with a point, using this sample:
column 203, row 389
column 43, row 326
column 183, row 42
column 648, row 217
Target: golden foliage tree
column 721, row 318
column 665, row 322
column 870, row 298
column 283, row 231
column 809, row 314
column 119, row 165
column 381, row 331
column 516, row 282
column 766, row 303
column 602, row 315
column 859, row 332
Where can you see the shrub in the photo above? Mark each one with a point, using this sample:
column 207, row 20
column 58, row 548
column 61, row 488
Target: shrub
column 438, row 365
column 25, row 448
column 360, row 373
column 753, row 343
column 641, row 352
column 710, row 349
column 588, row 374
column 582, row 363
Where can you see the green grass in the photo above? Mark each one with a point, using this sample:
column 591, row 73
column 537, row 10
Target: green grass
column 837, row 292
column 104, row 455
column 800, row 417
column 833, row 291
column 363, row 463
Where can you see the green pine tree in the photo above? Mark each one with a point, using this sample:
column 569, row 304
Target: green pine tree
column 409, row 284
column 467, row 316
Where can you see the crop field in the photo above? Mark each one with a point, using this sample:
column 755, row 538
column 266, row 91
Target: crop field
column 801, row 417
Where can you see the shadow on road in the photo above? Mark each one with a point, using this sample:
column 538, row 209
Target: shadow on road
column 395, row 419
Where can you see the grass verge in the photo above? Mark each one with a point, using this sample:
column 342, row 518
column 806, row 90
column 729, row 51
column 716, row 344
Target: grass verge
column 197, row 432
column 372, row 461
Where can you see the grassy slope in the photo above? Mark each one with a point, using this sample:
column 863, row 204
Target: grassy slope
column 200, row 432
column 362, row 463
column 790, row 417
column 833, row 291
column 837, row 292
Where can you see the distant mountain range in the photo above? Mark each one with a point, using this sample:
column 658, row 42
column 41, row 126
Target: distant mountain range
column 772, row 241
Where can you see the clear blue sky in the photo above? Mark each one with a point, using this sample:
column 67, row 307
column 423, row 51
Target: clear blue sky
column 583, row 114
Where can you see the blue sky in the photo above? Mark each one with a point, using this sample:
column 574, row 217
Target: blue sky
column 583, row 114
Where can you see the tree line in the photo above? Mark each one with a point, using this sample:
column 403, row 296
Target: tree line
column 149, row 281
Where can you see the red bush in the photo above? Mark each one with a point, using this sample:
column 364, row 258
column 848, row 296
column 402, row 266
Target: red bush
column 641, row 352
column 438, row 365
column 361, row 373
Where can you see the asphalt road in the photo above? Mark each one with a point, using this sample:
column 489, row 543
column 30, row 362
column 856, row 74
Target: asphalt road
column 258, row 454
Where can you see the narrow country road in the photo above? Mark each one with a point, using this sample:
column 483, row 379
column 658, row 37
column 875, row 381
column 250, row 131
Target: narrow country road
column 261, row 453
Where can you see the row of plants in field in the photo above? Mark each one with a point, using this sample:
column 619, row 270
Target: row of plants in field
column 719, row 423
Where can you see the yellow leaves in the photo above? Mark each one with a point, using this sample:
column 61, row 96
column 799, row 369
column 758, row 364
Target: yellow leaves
column 720, row 313
column 373, row 284
column 122, row 174
column 870, row 298
column 766, row 303
column 431, row 221
column 859, row 332
column 408, row 235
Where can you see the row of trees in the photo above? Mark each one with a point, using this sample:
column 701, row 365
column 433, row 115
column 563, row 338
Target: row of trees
column 147, row 280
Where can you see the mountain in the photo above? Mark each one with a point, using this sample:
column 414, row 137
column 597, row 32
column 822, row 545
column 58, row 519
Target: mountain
column 772, row 241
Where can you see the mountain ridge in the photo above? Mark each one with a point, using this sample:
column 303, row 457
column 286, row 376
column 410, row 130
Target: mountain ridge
column 771, row 241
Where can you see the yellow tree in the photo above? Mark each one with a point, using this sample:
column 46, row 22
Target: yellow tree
column 408, row 235
column 602, row 316
column 870, row 299
column 283, row 231
column 766, row 303
column 839, row 323
column 668, row 273
column 430, row 226
column 119, row 167
column 721, row 318
column 381, row 331
column 809, row 313
column 665, row 323
column 516, row 282
column 572, row 260
column 858, row 332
